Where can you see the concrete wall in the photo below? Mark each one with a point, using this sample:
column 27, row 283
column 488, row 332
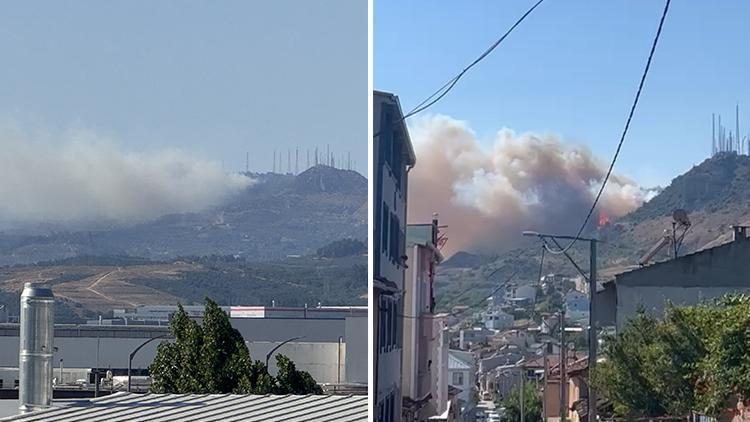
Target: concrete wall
column 321, row 360
column 356, row 346
column 438, row 371
column 108, row 347
column 684, row 281
column 654, row 298
column 272, row 329
column 82, row 352
column 418, row 327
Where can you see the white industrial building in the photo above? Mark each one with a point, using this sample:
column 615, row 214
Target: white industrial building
column 160, row 314
column 332, row 350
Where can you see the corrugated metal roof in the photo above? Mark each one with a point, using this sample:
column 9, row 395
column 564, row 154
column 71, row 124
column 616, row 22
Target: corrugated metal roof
column 456, row 363
column 205, row 408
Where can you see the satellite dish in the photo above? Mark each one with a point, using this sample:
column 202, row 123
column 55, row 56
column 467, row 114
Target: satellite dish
column 680, row 216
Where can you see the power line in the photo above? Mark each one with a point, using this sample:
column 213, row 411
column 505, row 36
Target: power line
column 448, row 86
column 622, row 138
column 503, row 284
column 470, row 288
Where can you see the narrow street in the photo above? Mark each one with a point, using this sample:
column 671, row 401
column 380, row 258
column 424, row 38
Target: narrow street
column 486, row 412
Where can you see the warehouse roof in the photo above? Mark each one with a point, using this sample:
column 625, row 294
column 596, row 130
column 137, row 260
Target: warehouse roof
column 205, row 407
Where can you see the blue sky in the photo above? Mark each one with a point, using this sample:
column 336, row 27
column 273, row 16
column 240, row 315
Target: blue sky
column 572, row 68
column 216, row 79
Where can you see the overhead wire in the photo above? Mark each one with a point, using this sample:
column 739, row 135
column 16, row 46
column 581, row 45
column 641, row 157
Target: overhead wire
column 448, row 86
column 484, row 299
column 622, row 137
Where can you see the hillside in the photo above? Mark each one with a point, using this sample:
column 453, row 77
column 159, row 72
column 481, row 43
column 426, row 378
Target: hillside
column 86, row 287
column 715, row 193
column 277, row 216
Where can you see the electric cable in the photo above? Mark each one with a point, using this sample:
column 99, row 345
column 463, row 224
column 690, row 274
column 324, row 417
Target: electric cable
column 448, row 86
column 622, row 137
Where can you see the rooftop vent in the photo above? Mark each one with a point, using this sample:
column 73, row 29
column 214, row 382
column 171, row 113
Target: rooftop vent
column 35, row 351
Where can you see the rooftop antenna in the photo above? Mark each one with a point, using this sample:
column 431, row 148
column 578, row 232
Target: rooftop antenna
column 328, row 154
column 316, row 156
column 680, row 220
column 296, row 160
column 348, row 160
column 713, row 134
column 274, row 161
column 288, row 161
column 737, row 129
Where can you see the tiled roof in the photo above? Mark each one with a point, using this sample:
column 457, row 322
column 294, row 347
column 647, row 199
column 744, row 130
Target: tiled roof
column 205, row 407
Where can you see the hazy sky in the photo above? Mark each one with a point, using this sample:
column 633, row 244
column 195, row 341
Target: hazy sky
column 572, row 68
column 215, row 79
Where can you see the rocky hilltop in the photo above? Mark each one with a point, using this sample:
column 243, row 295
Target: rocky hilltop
column 277, row 216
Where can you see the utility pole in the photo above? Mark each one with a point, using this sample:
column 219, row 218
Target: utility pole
column 523, row 387
column 593, row 341
column 563, row 357
column 544, row 390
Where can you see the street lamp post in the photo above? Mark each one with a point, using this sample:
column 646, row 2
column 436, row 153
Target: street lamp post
column 132, row 354
column 268, row 355
column 592, row 305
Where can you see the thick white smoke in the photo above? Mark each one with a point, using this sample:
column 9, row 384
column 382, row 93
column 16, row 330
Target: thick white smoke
column 85, row 177
column 487, row 197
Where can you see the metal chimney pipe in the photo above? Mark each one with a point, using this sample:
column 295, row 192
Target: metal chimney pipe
column 35, row 352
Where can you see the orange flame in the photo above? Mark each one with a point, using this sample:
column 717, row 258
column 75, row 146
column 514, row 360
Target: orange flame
column 603, row 219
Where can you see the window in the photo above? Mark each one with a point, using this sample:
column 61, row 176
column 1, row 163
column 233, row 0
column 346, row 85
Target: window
column 458, row 378
column 388, row 324
column 397, row 237
column 385, row 228
column 382, row 313
column 394, row 324
column 389, row 413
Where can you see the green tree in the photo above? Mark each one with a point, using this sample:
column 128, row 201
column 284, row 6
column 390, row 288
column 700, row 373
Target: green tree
column 213, row 359
column 291, row 381
column 532, row 404
column 696, row 358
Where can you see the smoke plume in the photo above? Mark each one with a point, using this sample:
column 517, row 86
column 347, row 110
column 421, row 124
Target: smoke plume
column 85, row 177
column 487, row 197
